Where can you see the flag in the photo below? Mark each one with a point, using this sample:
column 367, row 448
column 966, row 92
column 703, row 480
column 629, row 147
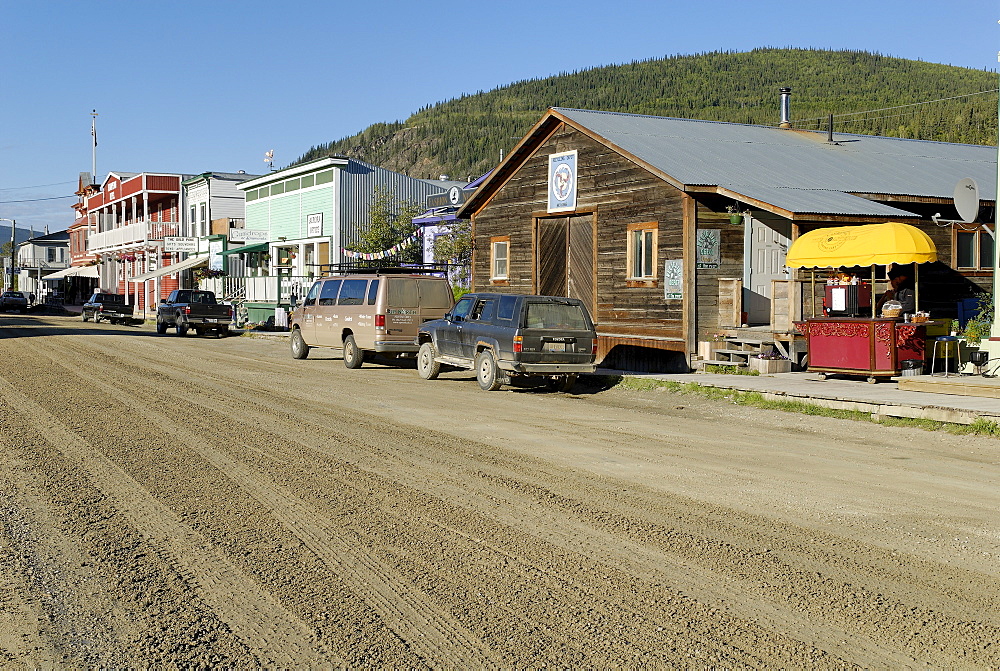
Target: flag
column 93, row 130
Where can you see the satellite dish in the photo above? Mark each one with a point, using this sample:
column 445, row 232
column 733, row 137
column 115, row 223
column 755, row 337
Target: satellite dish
column 967, row 199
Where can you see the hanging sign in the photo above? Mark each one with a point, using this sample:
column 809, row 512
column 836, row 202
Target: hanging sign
column 215, row 255
column 673, row 279
column 247, row 235
column 562, row 181
column 708, row 245
column 174, row 244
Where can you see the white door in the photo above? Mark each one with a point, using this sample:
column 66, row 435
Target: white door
column 764, row 249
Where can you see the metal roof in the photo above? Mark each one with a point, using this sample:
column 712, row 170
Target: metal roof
column 795, row 170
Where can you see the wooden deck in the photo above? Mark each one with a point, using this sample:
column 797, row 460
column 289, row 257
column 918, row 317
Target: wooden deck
column 959, row 385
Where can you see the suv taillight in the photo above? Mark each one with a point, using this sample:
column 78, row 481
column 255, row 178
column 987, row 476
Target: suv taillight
column 593, row 350
column 380, row 321
column 518, row 343
column 186, row 309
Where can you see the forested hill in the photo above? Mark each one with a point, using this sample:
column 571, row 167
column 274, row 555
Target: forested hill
column 465, row 136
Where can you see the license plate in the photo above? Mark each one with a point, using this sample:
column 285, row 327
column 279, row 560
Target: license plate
column 554, row 347
column 212, row 321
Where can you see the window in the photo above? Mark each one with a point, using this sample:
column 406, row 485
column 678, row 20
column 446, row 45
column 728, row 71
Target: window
column 462, row 308
column 251, row 195
column 203, row 218
column 352, row 292
column 506, row 310
column 313, row 292
column 277, row 189
column 52, row 254
column 372, row 292
column 292, row 185
column 483, row 310
column 193, row 221
column 328, row 294
column 324, row 177
column 499, row 257
column 308, row 181
column 974, row 250
column 642, row 250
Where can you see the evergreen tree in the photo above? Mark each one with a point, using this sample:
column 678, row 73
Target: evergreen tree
column 391, row 224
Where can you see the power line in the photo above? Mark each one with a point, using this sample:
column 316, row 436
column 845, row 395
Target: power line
column 34, row 200
column 36, row 186
column 886, row 109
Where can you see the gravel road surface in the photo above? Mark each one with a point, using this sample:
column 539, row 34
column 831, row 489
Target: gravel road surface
column 180, row 501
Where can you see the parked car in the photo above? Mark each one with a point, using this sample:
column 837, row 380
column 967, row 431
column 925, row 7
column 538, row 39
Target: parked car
column 13, row 300
column 505, row 336
column 187, row 309
column 368, row 313
column 107, row 306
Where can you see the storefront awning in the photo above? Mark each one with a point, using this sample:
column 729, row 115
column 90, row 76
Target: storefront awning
column 190, row 262
column 74, row 271
column 246, row 249
column 868, row 245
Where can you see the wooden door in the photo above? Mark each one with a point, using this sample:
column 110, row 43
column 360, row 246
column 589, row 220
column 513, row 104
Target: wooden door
column 551, row 256
column 580, row 260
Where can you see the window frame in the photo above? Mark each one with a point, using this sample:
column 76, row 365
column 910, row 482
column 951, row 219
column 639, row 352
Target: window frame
column 652, row 251
column 495, row 242
column 979, row 235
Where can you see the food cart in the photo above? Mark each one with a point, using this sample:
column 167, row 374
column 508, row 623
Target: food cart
column 874, row 346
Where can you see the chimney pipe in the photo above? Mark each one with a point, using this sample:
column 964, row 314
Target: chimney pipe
column 786, row 94
column 829, row 129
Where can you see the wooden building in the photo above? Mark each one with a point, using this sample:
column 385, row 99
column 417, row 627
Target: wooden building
column 672, row 229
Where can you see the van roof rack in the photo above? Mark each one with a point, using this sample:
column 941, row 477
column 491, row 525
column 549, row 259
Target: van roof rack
column 374, row 267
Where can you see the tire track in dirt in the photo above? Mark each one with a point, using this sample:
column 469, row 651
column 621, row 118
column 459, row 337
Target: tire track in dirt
column 592, row 517
column 265, row 626
column 428, row 631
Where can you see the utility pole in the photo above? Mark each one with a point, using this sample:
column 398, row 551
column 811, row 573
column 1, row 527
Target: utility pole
column 9, row 280
column 93, row 148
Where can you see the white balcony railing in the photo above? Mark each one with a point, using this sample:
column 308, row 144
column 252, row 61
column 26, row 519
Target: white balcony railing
column 42, row 264
column 266, row 289
column 131, row 235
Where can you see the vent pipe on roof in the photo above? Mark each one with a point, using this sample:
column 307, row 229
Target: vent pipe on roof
column 786, row 94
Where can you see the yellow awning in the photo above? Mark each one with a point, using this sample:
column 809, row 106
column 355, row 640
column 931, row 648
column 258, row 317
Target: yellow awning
column 868, row 245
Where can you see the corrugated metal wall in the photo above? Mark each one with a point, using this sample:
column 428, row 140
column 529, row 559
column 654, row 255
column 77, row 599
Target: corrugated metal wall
column 359, row 181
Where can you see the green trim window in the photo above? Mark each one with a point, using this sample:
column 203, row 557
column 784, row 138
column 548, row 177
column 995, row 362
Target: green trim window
column 277, row 189
column 292, row 185
column 308, row 181
column 251, row 195
column 324, row 177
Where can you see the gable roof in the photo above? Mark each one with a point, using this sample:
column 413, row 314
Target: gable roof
column 788, row 171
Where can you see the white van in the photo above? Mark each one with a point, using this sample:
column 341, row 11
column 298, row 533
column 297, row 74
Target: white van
column 364, row 314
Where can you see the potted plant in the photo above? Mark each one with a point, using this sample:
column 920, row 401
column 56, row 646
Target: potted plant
column 735, row 215
column 770, row 362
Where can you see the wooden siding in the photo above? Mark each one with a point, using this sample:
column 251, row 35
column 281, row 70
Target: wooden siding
column 613, row 192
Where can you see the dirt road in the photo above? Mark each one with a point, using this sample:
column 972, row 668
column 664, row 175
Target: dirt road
column 178, row 501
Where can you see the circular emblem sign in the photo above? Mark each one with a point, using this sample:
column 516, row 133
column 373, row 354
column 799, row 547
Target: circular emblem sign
column 562, row 181
column 834, row 241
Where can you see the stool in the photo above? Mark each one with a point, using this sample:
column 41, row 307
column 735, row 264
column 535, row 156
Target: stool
column 945, row 343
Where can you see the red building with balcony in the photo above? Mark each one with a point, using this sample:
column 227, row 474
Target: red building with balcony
column 132, row 214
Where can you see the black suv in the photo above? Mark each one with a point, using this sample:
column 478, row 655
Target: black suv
column 502, row 336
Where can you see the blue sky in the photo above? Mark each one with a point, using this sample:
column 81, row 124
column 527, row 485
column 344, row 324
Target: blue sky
column 195, row 86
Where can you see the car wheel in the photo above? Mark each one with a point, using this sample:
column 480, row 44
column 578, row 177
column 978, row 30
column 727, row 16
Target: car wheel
column 198, row 331
column 181, row 329
column 300, row 350
column 161, row 327
column 353, row 358
column 97, row 319
column 83, row 315
column 563, row 383
column 427, row 367
column 487, row 373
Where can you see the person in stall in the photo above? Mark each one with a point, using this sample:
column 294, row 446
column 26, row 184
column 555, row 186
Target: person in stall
column 900, row 290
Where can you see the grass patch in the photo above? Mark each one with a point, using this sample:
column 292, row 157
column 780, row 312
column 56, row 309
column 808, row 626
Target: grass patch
column 730, row 370
column 754, row 399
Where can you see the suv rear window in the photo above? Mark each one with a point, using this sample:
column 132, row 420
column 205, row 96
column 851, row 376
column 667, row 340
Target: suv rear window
column 555, row 316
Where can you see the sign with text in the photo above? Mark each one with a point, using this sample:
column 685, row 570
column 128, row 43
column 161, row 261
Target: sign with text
column 708, row 244
column 314, row 225
column 247, row 235
column 673, row 279
column 562, row 182
column 180, row 244
column 215, row 255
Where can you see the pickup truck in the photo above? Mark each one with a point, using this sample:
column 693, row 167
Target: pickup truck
column 187, row 309
column 107, row 306
column 504, row 336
